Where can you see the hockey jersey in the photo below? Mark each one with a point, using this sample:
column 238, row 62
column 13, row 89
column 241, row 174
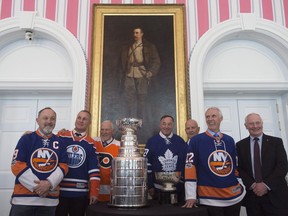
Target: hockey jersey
column 164, row 155
column 36, row 158
column 105, row 157
column 211, row 171
column 84, row 173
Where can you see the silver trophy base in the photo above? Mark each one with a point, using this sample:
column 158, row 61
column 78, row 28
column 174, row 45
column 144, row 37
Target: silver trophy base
column 129, row 176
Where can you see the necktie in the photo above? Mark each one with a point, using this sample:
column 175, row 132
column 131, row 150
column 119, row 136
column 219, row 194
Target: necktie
column 78, row 134
column 167, row 140
column 217, row 137
column 257, row 162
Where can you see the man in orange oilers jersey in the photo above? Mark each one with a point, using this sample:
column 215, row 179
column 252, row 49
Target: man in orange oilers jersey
column 39, row 164
column 107, row 148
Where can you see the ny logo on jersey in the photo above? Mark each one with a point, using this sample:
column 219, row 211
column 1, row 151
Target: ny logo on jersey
column 44, row 160
column 220, row 163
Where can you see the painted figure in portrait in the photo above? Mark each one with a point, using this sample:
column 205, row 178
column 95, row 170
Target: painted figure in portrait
column 138, row 70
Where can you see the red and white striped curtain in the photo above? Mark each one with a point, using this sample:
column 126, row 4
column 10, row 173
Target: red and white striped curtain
column 201, row 15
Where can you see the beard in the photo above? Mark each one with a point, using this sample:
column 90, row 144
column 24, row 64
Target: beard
column 47, row 130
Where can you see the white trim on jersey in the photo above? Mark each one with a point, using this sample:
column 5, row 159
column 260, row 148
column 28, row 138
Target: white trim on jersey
column 55, row 178
column 27, row 179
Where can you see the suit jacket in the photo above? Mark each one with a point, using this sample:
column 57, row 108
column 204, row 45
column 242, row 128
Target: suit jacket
column 150, row 57
column 274, row 168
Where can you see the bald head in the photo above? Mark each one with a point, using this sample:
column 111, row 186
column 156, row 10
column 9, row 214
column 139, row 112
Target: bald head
column 191, row 128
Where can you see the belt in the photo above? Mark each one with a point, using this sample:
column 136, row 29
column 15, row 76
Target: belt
column 136, row 64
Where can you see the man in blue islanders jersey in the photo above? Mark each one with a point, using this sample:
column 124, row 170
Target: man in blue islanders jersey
column 80, row 186
column 39, row 164
column 211, row 174
column 165, row 152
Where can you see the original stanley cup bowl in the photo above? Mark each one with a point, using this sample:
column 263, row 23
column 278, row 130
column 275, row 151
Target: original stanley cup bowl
column 129, row 169
column 129, row 124
column 168, row 180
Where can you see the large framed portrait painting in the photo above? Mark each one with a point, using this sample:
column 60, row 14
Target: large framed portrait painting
column 126, row 84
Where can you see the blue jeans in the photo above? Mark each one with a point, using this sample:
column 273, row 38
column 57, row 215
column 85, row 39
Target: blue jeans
column 24, row 210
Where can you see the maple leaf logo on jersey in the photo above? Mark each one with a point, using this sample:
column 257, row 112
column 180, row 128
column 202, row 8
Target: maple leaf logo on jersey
column 168, row 161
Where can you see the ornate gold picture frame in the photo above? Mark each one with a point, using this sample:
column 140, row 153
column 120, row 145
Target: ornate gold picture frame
column 165, row 26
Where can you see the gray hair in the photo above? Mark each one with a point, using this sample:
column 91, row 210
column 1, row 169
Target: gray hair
column 215, row 108
column 109, row 121
column 246, row 118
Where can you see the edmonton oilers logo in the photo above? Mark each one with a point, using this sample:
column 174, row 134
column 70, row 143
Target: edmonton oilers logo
column 220, row 163
column 76, row 156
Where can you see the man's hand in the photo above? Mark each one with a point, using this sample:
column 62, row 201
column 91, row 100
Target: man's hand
column 260, row 189
column 63, row 130
column 190, row 203
column 27, row 132
column 151, row 192
column 149, row 74
column 42, row 188
column 93, row 200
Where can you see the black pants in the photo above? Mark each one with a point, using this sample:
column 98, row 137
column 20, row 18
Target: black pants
column 262, row 206
column 233, row 210
column 75, row 206
column 22, row 210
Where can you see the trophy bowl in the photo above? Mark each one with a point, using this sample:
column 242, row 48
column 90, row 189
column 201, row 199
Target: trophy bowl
column 167, row 180
column 129, row 124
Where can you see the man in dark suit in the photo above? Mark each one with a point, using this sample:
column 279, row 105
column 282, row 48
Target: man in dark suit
column 267, row 190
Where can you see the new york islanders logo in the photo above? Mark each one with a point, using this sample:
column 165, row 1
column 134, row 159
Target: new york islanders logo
column 220, row 163
column 44, row 160
column 76, row 156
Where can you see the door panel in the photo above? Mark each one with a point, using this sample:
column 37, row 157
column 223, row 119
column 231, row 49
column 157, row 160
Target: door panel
column 16, row 118
column 17, row 115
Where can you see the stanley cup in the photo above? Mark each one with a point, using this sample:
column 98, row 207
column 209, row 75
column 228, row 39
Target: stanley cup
column 129, row 168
